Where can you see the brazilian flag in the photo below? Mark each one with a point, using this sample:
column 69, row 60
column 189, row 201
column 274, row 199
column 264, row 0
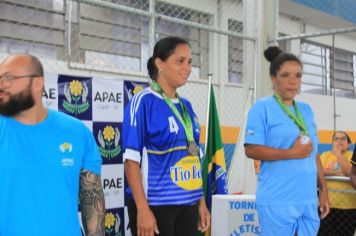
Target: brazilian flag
column 214, row 168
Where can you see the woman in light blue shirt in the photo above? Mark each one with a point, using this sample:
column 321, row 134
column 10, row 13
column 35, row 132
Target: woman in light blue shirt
column 281, row 132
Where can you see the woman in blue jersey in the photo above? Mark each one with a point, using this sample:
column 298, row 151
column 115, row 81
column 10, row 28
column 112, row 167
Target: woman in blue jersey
column 281, row 132
column 161, row 149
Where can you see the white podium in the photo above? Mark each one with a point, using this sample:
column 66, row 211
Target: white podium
column 234, row 215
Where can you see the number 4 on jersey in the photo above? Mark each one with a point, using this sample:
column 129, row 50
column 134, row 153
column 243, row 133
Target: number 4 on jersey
column 173, row 126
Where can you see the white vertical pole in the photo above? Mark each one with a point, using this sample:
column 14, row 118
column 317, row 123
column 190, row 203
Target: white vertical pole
column 69, row 35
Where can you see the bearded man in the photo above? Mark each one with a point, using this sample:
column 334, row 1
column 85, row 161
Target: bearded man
column 47, row 159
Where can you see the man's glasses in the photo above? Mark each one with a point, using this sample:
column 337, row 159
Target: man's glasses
column 7, row 79
column 339, row 138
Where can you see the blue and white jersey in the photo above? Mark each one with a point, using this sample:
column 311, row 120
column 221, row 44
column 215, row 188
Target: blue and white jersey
column 40, row 169
column 283, row 182
column 154, row 137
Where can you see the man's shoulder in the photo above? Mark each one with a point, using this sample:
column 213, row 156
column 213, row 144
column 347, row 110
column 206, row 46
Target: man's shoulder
column 2, row 124
column 68, row 125
column 2, row 118
column 62, row 118
column 62, row 115
column 5, row 120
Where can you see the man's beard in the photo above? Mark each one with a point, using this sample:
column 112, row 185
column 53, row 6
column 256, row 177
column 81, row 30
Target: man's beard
column 18, row 103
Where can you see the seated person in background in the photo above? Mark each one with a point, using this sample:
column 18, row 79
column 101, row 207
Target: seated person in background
column 343, row 205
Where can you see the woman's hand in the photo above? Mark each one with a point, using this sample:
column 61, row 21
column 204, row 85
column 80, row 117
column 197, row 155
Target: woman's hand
column 324, row 203
column 146, row 223
column 336, row 151
column 204, row 216
column 302, row 150
column 344, row 166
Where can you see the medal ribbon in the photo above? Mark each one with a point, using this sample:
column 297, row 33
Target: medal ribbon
column 297, row 118
column 186, row 121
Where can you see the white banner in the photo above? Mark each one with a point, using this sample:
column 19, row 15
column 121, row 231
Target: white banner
column 113, row 184
column 234, row 215
column 50, row 93
column 108, row 100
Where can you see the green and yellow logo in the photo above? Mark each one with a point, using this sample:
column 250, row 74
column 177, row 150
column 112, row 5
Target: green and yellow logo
column 187, row 173
column 66, row 147
column 112, row 223
column 109, row 142
column 76, row 97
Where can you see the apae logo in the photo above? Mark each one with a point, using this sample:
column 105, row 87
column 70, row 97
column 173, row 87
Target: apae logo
column 49, row 93
column 137, row 89
column 113, row 183
column 108, row 97
column 109, row 142
column 76, row 95
column 131, row 92
column 66, row 148
column 112, row 223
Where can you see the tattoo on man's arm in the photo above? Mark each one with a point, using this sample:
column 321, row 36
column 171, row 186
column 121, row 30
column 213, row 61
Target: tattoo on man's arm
column 92, row 203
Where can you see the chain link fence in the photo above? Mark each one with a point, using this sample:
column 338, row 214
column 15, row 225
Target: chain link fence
column 116, row 38
column 322, row 33
column 341, row 220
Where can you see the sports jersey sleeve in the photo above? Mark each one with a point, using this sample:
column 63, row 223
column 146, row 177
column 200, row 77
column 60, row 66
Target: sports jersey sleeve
column 134, row 129
column 92, row 159
column 255, row 132
column 353, row 159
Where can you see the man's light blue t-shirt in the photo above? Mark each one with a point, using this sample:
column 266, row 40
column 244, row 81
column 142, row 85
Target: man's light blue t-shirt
column 39, row 174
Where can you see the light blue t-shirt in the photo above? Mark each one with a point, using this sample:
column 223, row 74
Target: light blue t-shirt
column 39, row 174
column 292, row 181
column 154, row 137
